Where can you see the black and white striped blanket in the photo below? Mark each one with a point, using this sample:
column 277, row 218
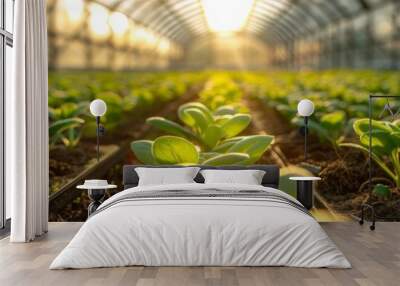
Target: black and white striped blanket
column 205, row 194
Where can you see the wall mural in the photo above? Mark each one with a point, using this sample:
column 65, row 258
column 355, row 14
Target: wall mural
column 212, row 116
column 222, row 118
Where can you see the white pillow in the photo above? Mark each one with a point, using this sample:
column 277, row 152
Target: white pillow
column 247, row 177
column 166, row 176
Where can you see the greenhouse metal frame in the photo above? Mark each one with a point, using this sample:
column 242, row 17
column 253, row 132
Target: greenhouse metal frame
column 298, row 33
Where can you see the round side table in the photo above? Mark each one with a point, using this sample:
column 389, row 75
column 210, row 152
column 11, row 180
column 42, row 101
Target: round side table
column 96, row 195
column 305, row 190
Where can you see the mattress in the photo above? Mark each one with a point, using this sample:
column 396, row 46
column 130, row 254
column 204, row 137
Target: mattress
column 201, row 225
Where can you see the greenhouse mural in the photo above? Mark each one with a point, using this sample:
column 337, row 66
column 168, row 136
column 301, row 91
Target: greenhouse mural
column 171, row 103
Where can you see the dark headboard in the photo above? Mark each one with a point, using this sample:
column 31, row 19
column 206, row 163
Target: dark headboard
column 271, row 177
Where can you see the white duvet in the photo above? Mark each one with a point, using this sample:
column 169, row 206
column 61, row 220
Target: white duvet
column 200, row 231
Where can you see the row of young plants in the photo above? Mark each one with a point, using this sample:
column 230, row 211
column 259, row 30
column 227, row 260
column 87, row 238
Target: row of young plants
column 125, row 93
column 341, row 110
column 208, row 132
column 221, row 90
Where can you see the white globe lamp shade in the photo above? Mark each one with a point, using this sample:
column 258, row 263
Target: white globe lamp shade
column 305, row 107
column 98, row 107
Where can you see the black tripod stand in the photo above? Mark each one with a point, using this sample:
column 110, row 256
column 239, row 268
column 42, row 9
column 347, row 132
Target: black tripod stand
column 369, row 207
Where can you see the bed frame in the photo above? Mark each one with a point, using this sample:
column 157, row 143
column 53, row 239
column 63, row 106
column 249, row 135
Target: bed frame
column 271, row 178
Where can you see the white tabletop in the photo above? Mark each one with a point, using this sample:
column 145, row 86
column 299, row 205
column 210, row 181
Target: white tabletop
column 88, row 187
column 305, row 178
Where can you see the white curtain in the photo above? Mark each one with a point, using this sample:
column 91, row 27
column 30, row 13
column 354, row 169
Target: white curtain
column 27, row 124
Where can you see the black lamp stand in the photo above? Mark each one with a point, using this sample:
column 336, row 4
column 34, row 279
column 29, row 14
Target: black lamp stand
column 99, row 132
column 365, row 207
column 305, row 136
column 96, row 196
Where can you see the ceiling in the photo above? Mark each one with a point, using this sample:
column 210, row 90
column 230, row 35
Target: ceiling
column 271, row 20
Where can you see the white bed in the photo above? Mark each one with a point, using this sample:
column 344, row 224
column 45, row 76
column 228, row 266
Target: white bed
column 185, row 230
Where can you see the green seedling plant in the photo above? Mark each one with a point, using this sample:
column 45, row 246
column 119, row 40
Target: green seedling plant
column 209, row 138
column 382, row 191
column 66, row 124
column 329, row 127
column 66, row 131
column 385, row 144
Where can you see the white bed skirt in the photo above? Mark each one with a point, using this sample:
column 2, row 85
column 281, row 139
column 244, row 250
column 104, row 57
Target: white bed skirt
column 200, row 232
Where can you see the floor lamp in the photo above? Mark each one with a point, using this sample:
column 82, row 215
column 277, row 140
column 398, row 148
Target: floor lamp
column 305, row 108
column 98, row 108
column 96, row 188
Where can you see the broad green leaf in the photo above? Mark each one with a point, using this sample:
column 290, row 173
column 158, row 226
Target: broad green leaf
column 227, row 159
column 174, row 150
column 64, row 124
column 200, row 119
column 196, row 105
column 221, row 119
column 169, row 126
column 225, row 110
column 235, row 139
column 236, row 124
column 226, row 144
column 381, row 142
column 254, row 146
column 143, row 151
column 361, row 126
column 382, row 139
column 207, row 155
column 212, row 135
column 186, row 118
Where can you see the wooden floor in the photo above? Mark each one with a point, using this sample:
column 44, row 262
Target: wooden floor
column 375, row 257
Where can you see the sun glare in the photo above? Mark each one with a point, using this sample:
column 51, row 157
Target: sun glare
column 163, row 47
column 119, row 23
column 98, row 20
column 74, row 9
column 227, row 15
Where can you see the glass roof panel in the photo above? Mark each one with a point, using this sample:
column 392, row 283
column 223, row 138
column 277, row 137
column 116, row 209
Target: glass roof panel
column 374, row 2
column 109, row 3
column 263, row 14
column 127, row 5
column 304, row 17
column 187, row 17
column 273, row 7
column 335, row 10
column 352, row 6
column 178, row 4
column 319, row 12
column 189, row 11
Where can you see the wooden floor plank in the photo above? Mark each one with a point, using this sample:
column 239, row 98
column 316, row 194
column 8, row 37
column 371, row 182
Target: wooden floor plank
column 375, row 257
